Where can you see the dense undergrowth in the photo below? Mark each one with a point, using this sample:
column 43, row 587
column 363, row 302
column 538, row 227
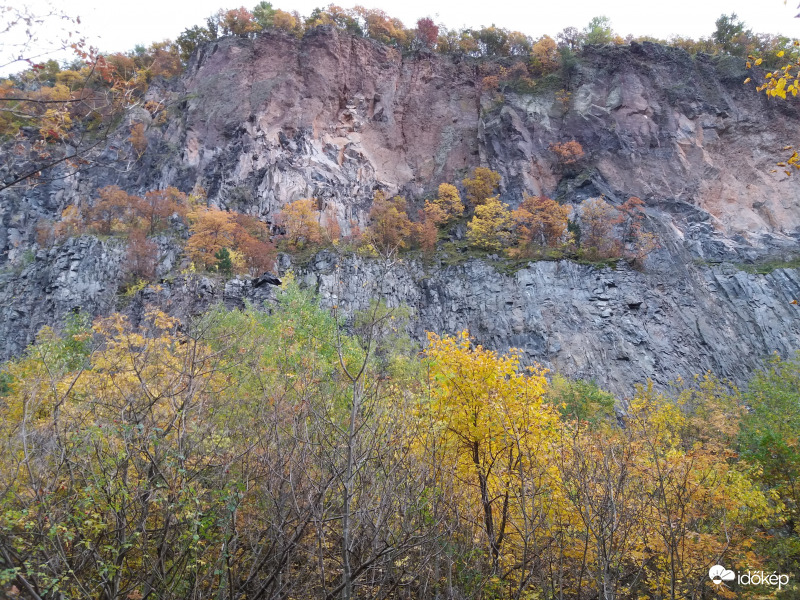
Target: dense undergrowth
column 280, row 454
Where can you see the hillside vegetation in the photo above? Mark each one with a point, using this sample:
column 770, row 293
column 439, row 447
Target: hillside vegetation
column 273, row 455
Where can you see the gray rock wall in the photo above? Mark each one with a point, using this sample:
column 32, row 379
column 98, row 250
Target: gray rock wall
column 260, row 123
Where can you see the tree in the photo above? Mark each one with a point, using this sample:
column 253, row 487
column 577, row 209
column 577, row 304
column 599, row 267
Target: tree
column 540, row 223
column 115, row 211
column 731, row 35
column 142, row 256
column 252, row 242
column 488, row 408
column 333, row 232
column 426, row 230
column 598, row 220
column 489, row 228
column 245, row 239
column 138, row 139
column 158, row 206
column 300, row 219
column 224, row 263
column 390, row 226
column 211, row 230
column 571, row 39
column 55, row 128
column 567, row 153
column 598, row 31
column 238, row 21
column 263, row 13
column 638, row 242
column 449, row 203
column 481, row 186
column 290, row 22
column 427, row 32
column 544, row 57
column 190, row 39
column 768, row 437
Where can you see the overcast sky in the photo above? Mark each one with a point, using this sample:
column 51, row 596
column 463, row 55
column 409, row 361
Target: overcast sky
column 119, row 26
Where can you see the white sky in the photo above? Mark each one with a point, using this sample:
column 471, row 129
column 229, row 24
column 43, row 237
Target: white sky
column 119, row 26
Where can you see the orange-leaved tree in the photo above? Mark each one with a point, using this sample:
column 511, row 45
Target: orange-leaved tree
column 212, row 230
column 390, row 227
column 158, row 206
column 300, row 219
column 567, row 153
column 245, row 238
column 142, row 255
column 115, row 211
column 252, row 241
column 541, row 223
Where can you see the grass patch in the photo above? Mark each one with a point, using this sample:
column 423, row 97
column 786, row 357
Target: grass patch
column 765, row 268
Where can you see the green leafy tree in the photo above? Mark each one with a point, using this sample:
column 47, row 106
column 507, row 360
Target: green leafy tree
column 770, row 438
column 190, row 39
column 599, row 31
column 263, row 14
column 731, row 35
column 224, row 262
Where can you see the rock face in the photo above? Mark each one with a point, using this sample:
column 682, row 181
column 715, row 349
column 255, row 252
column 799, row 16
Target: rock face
column 616, row 326
column 334, row 117
column 260, row 123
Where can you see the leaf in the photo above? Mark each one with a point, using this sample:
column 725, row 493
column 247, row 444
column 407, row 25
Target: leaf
column 746, row 81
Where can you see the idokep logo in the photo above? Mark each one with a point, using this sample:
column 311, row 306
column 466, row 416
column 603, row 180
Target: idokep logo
column 718, row 574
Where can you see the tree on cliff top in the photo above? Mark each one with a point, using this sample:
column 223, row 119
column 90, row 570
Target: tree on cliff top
column 52, row 118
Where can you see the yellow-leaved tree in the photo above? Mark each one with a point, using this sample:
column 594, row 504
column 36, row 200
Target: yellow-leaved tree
column 490, row 414
column 481, row 185
column 448, row 202
column 489, row 229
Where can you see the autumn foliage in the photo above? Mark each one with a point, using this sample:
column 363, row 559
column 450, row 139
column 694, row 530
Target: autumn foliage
column 540, row 223
column 427, row 32
column 567, row 153
column 142, row 256
column 244, row 237
column 272, row 450
column 489, row 229
column 481, row 185
column 598, row 220
column 390, row 228
column 301, row 222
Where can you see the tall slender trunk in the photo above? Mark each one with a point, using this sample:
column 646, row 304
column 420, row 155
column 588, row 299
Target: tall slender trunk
column 347, row 573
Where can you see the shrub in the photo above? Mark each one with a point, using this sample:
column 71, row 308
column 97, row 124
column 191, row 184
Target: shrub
column 489, row 228
column 390, row 226
column 481, row 186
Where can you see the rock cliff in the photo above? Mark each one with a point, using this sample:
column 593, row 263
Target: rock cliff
column 260, row 123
